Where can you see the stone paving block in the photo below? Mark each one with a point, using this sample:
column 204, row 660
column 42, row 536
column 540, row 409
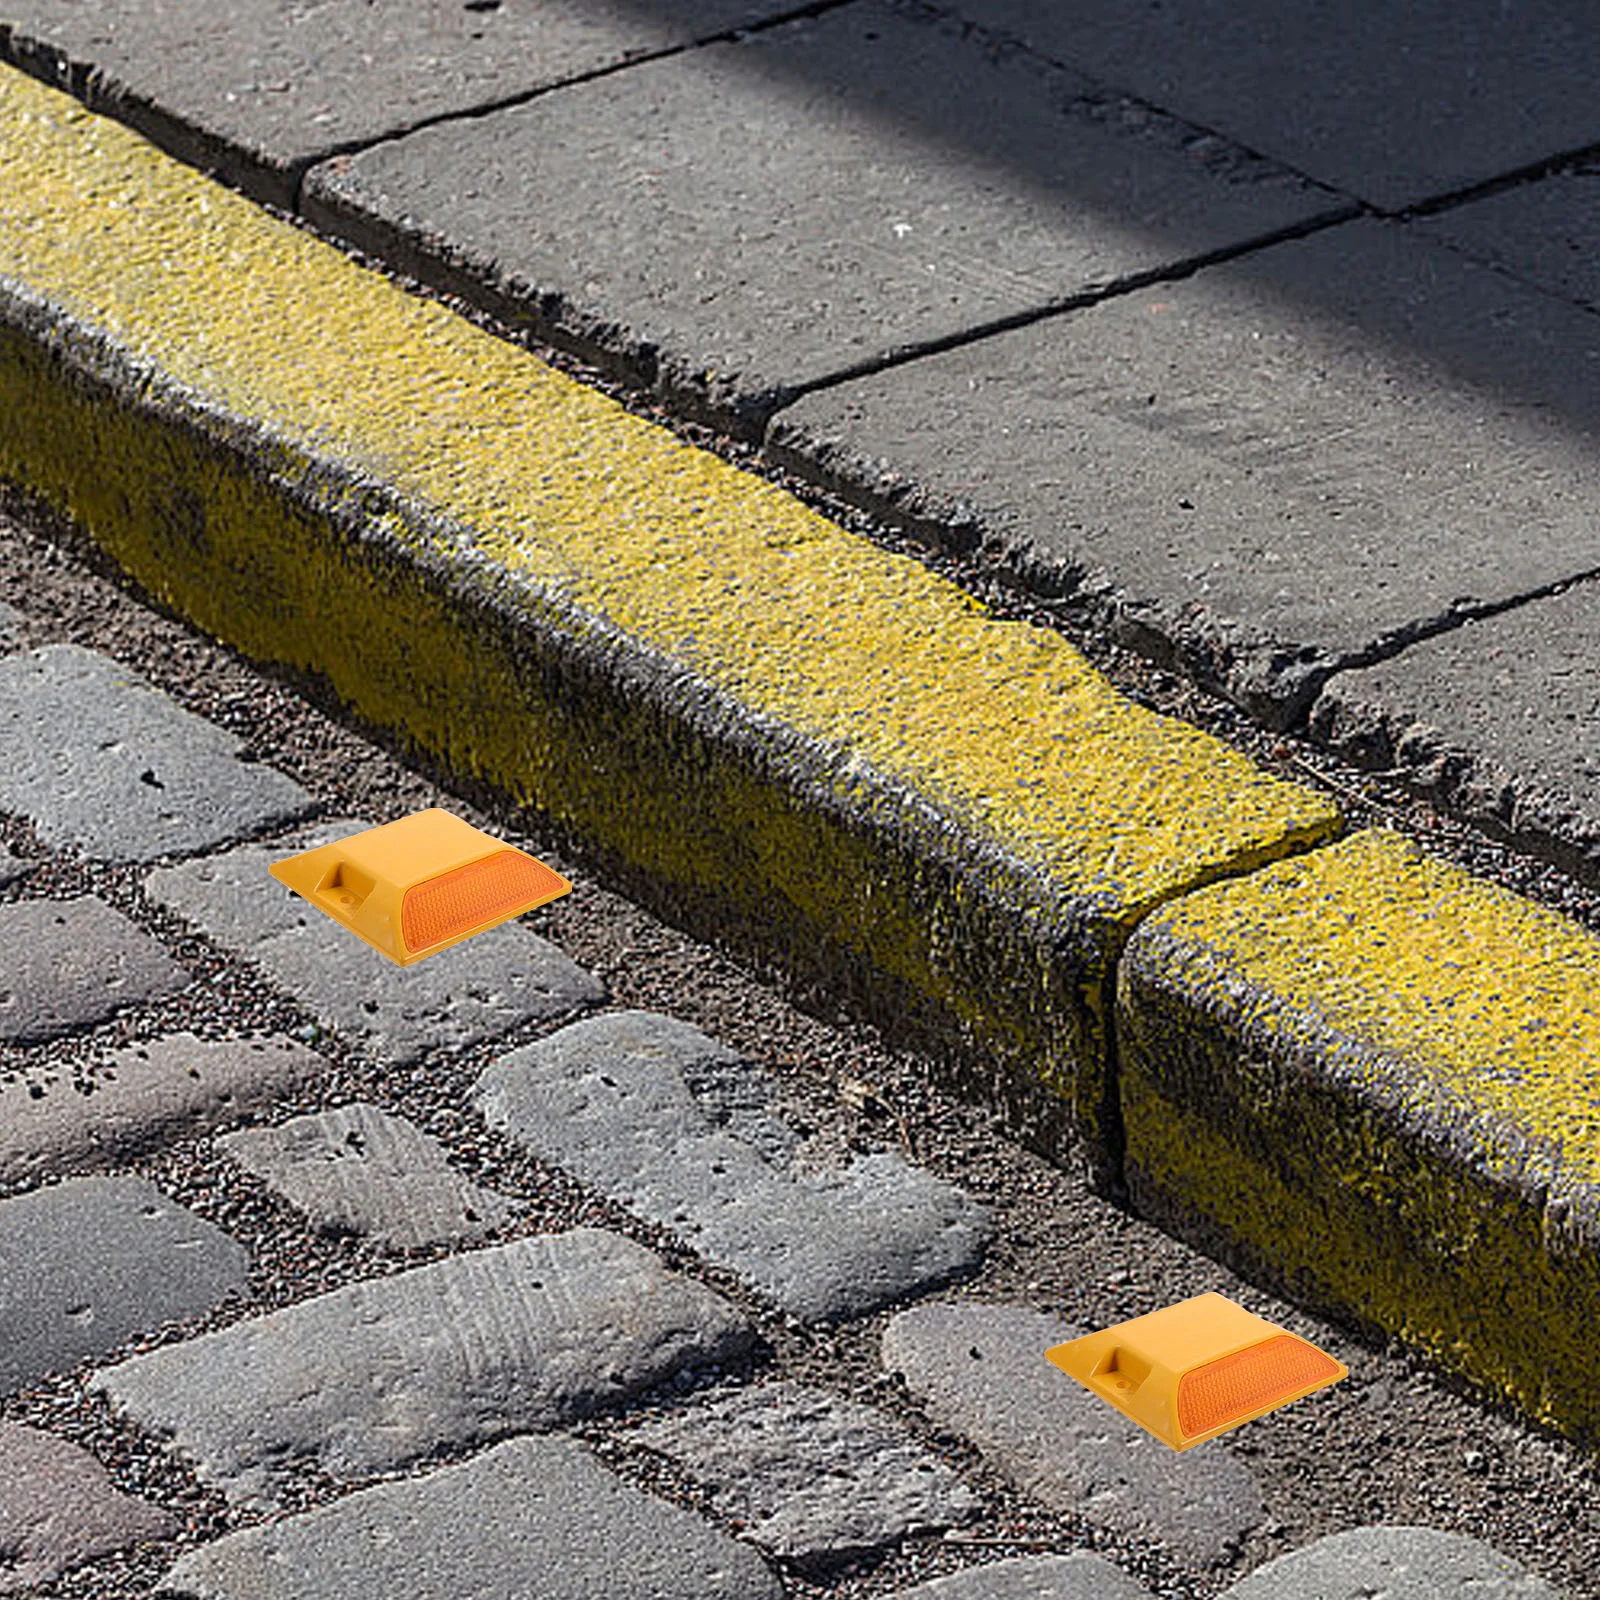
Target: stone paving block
column 1496, row 718
column 1394, row 1562
column 1547, row 233
column 145, row 1095
column 810, row 1476
column 1075, row 1577
column 607, row 1099
column 58, row 1509
column 1271, row 467
column 359, row 1170
column 383, row 1373
column 980, row 1371
column 73, row 964
column 91, row 1262
column 12, row 866
column 262, row 88
column 762, row 214
column 464, row 994
column 534, row 1516
column 95, row 757
column 1392, row 103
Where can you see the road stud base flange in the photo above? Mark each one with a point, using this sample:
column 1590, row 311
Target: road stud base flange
column 417, row 886
column 1196, row 1369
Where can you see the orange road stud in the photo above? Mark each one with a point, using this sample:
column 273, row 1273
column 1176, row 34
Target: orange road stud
column 1195, row 1369
column 417, row 886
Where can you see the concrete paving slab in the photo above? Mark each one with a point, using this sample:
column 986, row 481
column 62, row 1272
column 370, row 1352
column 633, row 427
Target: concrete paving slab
column 359, row 1170
column 1398, row 1563
column 58, row 1509
column 531, row 1516
column 520, row 1337
column 808, row 1476
column 609, row 1100
column 73, row 964
column 1373, row 1080
column 1495, row 718
column 263, row 88
column 1270, row 467
column 1079, row 1576
column 1390, row 103
column 96, row 758
column 755, row 216
column 1547, row 233
column 980, row 1371
column 91, row 1262
column 142, row 1096
column 464, row 994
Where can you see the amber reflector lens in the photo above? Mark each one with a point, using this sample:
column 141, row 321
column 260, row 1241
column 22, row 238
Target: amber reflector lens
column 478, row 892
column 1266, row 1374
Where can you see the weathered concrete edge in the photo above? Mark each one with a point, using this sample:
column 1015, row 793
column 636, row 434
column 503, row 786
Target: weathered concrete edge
column 742, row 827
column 1321, row 1164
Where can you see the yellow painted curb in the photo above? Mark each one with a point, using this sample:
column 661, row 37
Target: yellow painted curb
column 1374, row 1080
column 776, row 724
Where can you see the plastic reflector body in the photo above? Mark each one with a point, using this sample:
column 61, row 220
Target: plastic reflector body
column 1195, row 1369
column 417, row 886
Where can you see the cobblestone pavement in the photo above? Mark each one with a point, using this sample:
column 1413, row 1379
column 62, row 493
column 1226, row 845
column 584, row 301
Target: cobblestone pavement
column 572, row 1261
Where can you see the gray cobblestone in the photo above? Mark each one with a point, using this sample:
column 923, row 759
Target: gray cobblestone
column 12, row 866
column 96, row 758
column 359, row 1170
column 537, row 1516
column 72, row 964
column 1396, row 1563
column 811, row 1476
column 457, row 998
column 981, row 1371
column 607, row 1099
column 58, row 1509
column 1079, row 1576
column 382, row 1373
column 143, row 1095
column 88, row 1263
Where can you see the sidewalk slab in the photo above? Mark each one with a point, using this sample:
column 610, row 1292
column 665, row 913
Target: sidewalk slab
column 261, row 89
column 785, row 734
column 1075, row 1577
column 740, row 221
column 91, row 1262
column 1265, row 471
column 1496, row 719
column 532, row 1516
column 1393, row 104
column 1546, row 233
column 96, row 758
column 388, row 1371
column 1373, row 1081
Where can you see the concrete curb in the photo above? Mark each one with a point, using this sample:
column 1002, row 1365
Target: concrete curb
column 819, row 752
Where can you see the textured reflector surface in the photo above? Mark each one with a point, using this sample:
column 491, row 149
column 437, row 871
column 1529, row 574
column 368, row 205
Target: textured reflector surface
column 475, row 893
column 1266, row 1374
